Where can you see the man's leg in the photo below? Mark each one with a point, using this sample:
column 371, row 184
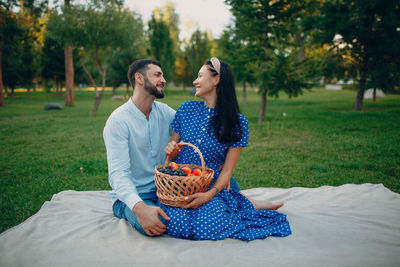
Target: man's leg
column 122, row 211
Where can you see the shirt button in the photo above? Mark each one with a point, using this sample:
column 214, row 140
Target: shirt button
column 199, row 140
column 204, row 129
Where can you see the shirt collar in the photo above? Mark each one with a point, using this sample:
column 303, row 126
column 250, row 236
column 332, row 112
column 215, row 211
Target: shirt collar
column 137, row 111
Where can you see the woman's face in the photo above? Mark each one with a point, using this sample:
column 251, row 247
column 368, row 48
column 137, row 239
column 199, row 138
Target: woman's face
column 206, row 84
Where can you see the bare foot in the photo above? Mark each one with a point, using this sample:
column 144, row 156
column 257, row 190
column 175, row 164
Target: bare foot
column 263, row 205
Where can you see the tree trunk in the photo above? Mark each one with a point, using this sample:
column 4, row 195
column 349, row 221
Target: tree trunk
column 114, row 90
column 300, row 41
column 244, row 93
column 91, row 80
column 361, row 85
column 69, row 76
column 127, row 91
column 99, row 96
column 261, row 114
column 96, row 104
column 374, row 95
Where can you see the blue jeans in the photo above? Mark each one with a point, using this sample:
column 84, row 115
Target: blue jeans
column 122, row 211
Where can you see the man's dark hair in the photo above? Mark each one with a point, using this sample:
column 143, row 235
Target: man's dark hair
column 140, row 66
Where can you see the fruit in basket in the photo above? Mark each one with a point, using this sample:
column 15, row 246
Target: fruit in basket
column 187, row 170
column 173, row 166
column 196, row 172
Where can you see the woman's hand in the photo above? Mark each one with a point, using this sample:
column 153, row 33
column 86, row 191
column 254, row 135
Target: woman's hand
column 172, row 150
column 196, row 200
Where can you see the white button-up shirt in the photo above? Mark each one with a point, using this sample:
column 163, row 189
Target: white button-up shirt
column 135, row 146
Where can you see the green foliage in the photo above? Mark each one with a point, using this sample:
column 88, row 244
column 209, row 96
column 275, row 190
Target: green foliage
column 367, row 33
column 239, row 54
column 275, row 30
column 161, row 45
column 320, row 141
column 284, row 74
column 12, row 35
column 20, row 42
column 52, row 55
column 197, row 52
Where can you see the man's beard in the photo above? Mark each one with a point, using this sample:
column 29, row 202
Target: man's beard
column 152, row 89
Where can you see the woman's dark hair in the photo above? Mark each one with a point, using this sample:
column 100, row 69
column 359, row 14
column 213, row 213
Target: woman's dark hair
column 225, row 123
column 140, row 66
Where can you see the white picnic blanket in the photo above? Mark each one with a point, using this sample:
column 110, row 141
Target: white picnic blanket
column 349, row 225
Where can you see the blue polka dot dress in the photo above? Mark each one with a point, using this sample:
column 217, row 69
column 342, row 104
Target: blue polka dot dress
column 228, row 214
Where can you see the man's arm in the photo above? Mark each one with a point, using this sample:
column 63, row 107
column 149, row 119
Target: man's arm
column 116, row 140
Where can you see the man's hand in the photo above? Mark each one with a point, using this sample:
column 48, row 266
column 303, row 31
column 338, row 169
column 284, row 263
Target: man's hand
column 148, row 218
column 196, row 200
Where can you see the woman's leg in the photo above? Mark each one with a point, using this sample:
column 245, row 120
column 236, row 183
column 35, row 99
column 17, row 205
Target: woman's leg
column 258, row 204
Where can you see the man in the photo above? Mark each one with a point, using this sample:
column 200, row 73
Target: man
column 135, row 136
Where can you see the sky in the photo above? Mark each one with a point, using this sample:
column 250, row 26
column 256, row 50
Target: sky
column 210, row 15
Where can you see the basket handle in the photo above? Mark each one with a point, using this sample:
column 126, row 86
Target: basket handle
column 203, row 164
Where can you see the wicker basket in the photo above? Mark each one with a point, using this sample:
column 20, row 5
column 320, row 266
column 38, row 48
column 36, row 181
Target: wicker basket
column 172, row 190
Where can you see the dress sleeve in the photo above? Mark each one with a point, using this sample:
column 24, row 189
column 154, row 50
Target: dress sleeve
column 171, row 115
column 176, row 123
column 244, row 125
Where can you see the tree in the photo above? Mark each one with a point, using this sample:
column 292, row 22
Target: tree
column 69, row 62
column 120, row 60
column 99, row 29
column 52, row 54
column 368, row 31
column 183, row 72
column 107, row 29
column 197, row 52
column 267, row 30
column 21, row 43
column 11, row 54
column 64, row 27
column 162, row 45
column 168, row 15
column 241, row 54
column 5, row 15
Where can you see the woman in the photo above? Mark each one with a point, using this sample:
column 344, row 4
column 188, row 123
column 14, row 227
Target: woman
column 217, row 128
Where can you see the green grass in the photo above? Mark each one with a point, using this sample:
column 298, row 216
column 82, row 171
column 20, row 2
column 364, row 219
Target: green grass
column 320, row 141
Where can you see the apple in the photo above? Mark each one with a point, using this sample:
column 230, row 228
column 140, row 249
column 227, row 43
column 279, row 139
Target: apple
column 197, row 172
column 187, row 170
column 173, row 166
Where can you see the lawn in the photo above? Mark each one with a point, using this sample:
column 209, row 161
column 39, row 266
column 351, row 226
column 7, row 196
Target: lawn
column 320, row 141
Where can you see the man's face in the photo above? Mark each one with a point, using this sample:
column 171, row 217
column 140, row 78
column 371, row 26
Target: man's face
column 154, row 81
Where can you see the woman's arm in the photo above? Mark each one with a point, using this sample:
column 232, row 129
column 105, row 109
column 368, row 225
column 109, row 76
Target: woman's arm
column 225, row 175
column 198, row 199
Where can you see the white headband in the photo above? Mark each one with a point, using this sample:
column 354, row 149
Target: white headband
column 216, row 64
